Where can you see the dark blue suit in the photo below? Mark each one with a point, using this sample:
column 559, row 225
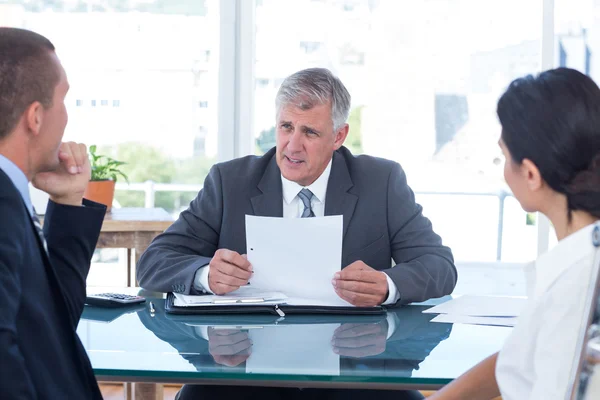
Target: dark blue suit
column 42, row 297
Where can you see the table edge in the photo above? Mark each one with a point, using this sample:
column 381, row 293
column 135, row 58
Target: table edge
column 325, row 384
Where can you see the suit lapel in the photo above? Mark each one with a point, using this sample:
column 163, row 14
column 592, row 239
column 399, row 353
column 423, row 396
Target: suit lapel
column 54, row 282
column 53, row 278
column 10, row 184
column 59, row 291
column 270, row 202
column 338, row 201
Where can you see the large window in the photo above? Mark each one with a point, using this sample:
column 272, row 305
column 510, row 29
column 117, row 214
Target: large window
column 424, row 78
column 173, row 86
column 143, row 81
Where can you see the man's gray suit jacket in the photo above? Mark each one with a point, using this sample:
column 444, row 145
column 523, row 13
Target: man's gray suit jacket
column 381, row 222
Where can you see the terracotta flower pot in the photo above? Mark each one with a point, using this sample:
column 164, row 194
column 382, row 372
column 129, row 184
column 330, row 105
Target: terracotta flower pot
column 101, row 192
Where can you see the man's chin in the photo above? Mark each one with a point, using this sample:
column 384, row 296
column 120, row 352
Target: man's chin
column 302, row 181
column 293, row 176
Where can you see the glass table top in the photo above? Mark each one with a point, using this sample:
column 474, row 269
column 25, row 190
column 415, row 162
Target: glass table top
column 402, row 348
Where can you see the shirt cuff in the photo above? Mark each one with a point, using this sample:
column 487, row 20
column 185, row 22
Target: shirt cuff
column 201, row 280
column 393, row 295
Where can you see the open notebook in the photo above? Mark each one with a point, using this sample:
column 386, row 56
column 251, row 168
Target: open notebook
column 248, row 300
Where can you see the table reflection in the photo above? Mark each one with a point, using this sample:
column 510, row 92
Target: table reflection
column 387, row 345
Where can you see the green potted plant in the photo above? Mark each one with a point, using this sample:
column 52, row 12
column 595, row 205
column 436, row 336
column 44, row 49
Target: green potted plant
column 105, row 171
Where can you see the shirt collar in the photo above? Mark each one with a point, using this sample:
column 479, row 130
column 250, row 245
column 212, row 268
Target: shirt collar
column 549, row 266
column 18, row 179
column 318, row 187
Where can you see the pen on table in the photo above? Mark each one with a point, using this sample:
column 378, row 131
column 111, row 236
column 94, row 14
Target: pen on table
column 152, row 310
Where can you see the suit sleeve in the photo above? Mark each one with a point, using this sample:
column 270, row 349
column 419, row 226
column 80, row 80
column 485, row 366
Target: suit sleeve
column 424, row 267
column 16, row 382
column 172, row 259
column 72, row 233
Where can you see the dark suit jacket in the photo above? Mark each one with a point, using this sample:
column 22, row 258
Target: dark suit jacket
column 41, row 356
column 381, row 222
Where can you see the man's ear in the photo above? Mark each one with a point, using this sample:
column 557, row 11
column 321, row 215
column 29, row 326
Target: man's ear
column 34, row 116
column 340, row 136
column 532, row 175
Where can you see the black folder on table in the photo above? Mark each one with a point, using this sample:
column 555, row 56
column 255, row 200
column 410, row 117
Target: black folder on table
column 280, row 310
column 241, row 321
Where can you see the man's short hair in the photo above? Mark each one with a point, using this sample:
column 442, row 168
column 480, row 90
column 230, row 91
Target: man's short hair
column 27, row 74
column 313, row 86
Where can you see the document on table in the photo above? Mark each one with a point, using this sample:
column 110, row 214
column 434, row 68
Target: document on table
column 479, row 310
column 243, row 296
column 296, row 256
column 293, row 349
column 481, row 306
column 465, row 319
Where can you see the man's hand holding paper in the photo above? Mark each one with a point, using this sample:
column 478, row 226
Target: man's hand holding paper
column 228, row 271
column 304, row 262
column 361, row 285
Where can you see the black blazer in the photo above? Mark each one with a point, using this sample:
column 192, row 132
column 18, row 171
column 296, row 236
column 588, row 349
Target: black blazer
column 382, row 222
column 41, row 356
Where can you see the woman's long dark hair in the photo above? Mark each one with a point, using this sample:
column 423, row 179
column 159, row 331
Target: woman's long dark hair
column 554, row 121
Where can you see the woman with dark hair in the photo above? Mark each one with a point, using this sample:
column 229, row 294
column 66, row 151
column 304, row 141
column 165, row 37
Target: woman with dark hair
column 551, row 142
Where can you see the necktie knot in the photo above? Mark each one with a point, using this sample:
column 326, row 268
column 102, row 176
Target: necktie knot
column 306, row 197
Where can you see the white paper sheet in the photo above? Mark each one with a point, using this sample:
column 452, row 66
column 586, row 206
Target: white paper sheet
column 293, row 349
column 481, row 306
column 243, row 296
column 465, row 319
column 298, row 301
column 296, row 256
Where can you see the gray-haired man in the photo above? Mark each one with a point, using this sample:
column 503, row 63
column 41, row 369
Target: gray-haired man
column 309, row 173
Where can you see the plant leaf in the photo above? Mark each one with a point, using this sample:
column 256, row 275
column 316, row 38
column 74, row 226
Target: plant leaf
column 105, row 167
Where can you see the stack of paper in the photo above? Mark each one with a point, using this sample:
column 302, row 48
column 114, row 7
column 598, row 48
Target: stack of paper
column 242, row 296
column 467, row 319
column 479, row 310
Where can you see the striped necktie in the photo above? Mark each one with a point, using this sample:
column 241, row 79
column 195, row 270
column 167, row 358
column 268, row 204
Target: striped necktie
column 40, row 232
column 306, row 195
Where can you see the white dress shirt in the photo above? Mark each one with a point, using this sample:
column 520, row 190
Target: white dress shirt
column 293, row 208
column 536, row 360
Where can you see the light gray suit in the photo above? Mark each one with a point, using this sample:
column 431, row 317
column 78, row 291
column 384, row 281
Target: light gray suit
column 381, row 222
